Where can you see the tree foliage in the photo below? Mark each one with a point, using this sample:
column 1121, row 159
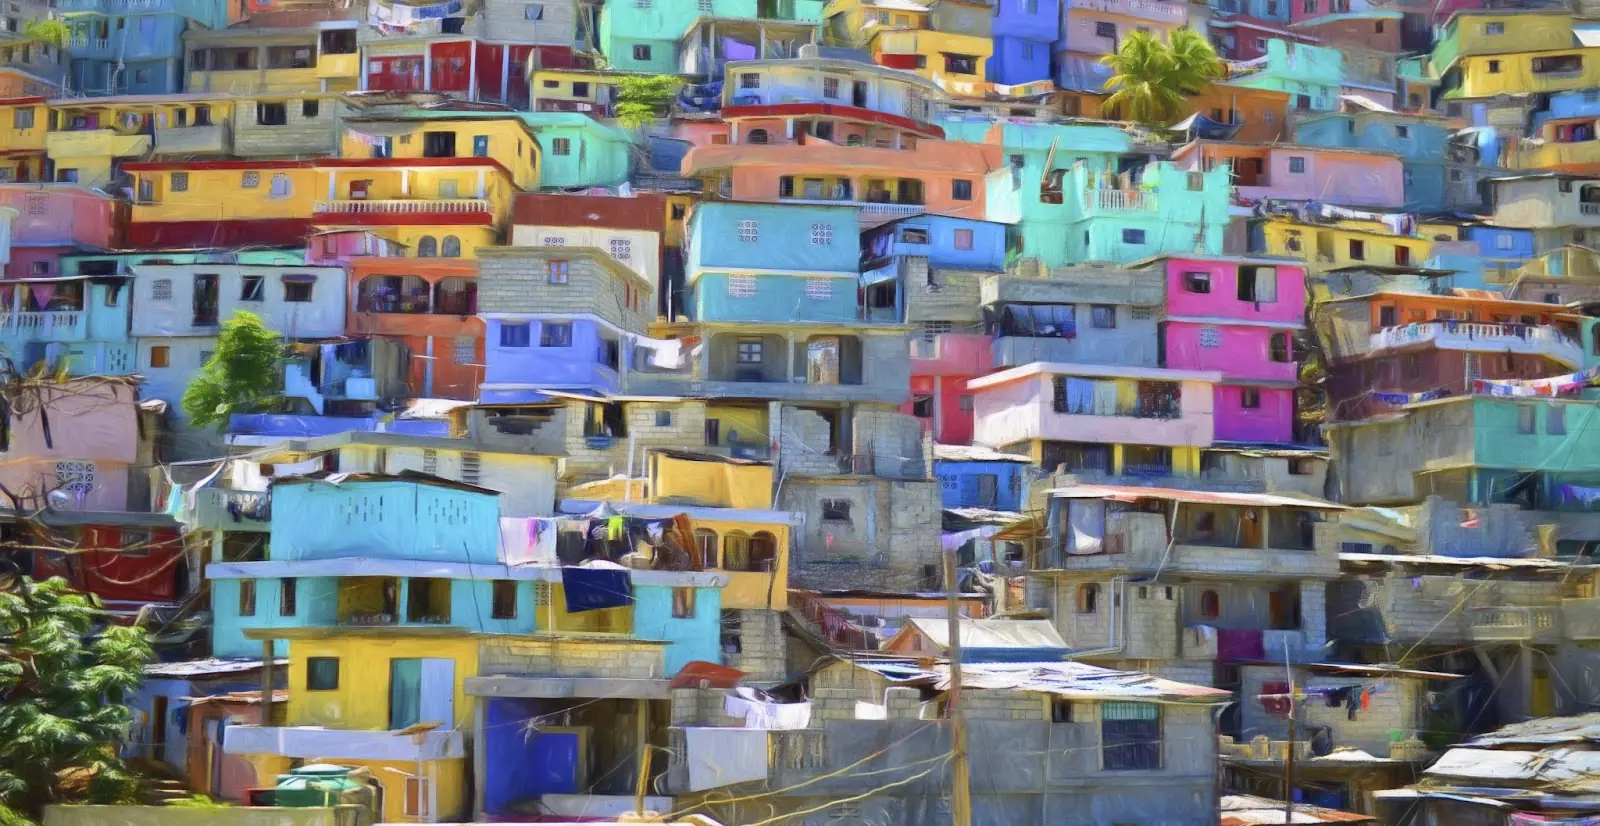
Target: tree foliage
column 1151, row 79
column 49, row 31
column 242, row 375
column 643, row 98
column 65, row 681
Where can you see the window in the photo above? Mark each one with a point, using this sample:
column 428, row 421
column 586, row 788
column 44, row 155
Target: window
column 247, row 597
column 1089, row 598
column 1250, row 398
column 965, row 404
column 1197, row 282
column 1105, row 30
column 309, row 109
column 272, row 114
column 561, row 146
column 1494, row 28
column 621, row 249
column 821, row 234
column 22, row 117
column 1133, row 236
column 250, row 180
column 252, row 288
column 297, row 289
column 160, row 356
column 1130, row 736
column 1302, row 102
column 1103, row 316
column 1558, row 64
column 558, row 272
column 1279, row 349
column 1195, row 181
column 750, row 80
column 663, row 418
column 1527, row 416
column 683, row 603
column 751, row 351
column 1210, row 337
column 161, row 289
column 503, row 599
column 1387, row 317
column 963, row 239
column 1552, row 298
column 451, row 248
column 43, row 268
column 960, row 64
column 741, row 286
column 1297, row 165
column 756, row 136
column 1358, row 250
column 836, row 510
column 1402, row 256
column 515, row 335
column 555, row 334
column 287, row 594
column 280, row 186
column 322, row 673
column 749, row 231
column 533, row 11
column 1494, row 67
column 180, row 182
column 830, row 87
column 1027, row 50
column 1210, row 604
column 642, row 52
column 1402, row 131
column 1060, row 710
column 1504, row 241
column 922, row 406
column 961, row 190
column 1555, row 420
column 819, row 289
column 427, row 247
column 415, row 804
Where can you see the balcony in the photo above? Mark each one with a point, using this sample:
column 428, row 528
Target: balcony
column 872, row 212
column 1582, row 618
column 96, row 143
column 338, row 66
column 1118, row 200
column 1482, row 337
column 398, row 210
column 55, row 325
column 313, row 742
column 1516, row 624
column 213, row 139
column 221, row 509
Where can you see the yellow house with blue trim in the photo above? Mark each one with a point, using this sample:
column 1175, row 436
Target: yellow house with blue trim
column 389, row 699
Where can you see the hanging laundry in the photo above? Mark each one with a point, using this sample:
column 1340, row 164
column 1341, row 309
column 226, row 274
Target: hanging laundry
column 1279, row 704
column 1240, row 644
column 758, row 713
column 1337, row 697
column 527, row 541
column 596, row 588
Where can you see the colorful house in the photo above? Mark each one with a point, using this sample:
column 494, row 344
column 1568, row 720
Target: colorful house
column 1091, row 29
column 87, row 465
column 953, row 52
column 1487, row 52
column 247, row 59
column 973, row 476
column 117, row 48
column 655, row 38
column 1344, row 243
column 643, row 232
column 1314, row 75
column 1024, row 40
column 1239, row 317
column 1251, row 115
column 430, row 306
column 1300, row 173
column 77, row 324
column 1444, row 170
column 841, row 101
column 773, row 262
column 53, row 220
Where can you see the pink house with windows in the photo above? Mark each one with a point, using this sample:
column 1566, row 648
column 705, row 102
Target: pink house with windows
column 941, row 366
column 55, row 219
column 1239, row 317
column 75, row 444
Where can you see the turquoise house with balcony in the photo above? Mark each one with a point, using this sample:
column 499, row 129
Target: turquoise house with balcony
column 121, row 47
column 645, row 36
column 79, row 319
column 1310, row 75
column 415, row 550
column 757, row 262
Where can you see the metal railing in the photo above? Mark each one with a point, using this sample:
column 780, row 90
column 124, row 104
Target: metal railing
column 1122, row 200
column 405, row 206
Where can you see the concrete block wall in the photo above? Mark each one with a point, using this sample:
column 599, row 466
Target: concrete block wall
column 685, row 429
column 763, row 650
column 890, row 542
column 516, row 280
column 954, row 299
column 573, row 658
column 1435, row 607
column 300, row 136
column 803, row 438
column 893, row 440
column 1400, row 706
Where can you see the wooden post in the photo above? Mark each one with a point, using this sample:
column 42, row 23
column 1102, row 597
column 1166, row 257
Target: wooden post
column 960, row 789
column 269, row 658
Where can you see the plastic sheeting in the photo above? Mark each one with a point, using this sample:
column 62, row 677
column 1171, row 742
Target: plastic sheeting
column 724, row 756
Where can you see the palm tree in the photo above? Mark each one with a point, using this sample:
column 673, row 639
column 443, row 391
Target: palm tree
column 1151, row 79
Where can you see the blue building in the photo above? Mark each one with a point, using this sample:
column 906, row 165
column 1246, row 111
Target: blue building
column 80, row 321
column 417, row 550
column 787, row 263
column 978, row 477
column 1444, row 169
column 1024, row 33
column 120, row 48
column 902, row 255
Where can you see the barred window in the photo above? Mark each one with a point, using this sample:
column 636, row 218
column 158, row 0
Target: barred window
column 1210, row 337
column 749, row 231
column 819, row 289
column 554, row 241
column 161, row 289
column 741, row 286
column 250, row 180
column 75, row 477
column 621, row 249
column 180, row 182
column 821, row 234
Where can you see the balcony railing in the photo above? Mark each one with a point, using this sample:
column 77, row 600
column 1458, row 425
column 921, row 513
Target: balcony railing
column 406, row 206
column 1589, row 209
column 42, row 323
column 1482, row 336
column 875, row 210
column 1119, row 200
column 1514, row 623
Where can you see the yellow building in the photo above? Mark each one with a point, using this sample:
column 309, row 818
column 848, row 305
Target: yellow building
column 24, row 123
column 729, row 501
column 508, row 141
column 352, row 691
column 1349, row 243
column 853, row 23
column 1483, row 53
column 86, row 137
column 183, row 191
column 954, row 61
column 591, row 91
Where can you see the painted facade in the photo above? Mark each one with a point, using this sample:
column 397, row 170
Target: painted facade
column 87, row 465
column 1356, row 178
column 1312, row 75
column 1091, row 29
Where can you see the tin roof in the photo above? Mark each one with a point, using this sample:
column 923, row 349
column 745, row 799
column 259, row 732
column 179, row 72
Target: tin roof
column 1071, row 680
column 976, row 453
column 1582, row 728
column 1249, row 810
column 989, row 633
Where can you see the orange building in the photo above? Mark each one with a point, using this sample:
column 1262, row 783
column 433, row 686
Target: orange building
column 430, row 305
column 1262, row 114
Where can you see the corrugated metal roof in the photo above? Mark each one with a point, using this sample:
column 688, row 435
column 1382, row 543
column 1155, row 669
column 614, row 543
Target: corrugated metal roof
column 1072, row 680
column 1122, row 493
column 642, row 211
column 204, row 668
column 1463, row 561
column 1581, row 728
column 1523, row 767
column 987, row 633
column 1249, row 810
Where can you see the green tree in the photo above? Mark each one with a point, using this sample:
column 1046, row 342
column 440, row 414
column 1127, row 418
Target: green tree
column 1150, row 79
column 643, row 98
column 66, row 676
column 46, row 30
column 242, row 375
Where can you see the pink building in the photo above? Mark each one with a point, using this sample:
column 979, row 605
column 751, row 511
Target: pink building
column 1239, row 317
column 1302, row 173
column 941, row 366
column 73, row 444
column 336, row 248
column 53, row 219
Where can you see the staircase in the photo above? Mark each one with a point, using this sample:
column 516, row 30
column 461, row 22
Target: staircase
column 159, row 784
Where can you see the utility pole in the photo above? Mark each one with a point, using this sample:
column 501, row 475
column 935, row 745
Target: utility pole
column 1288, row 757
column 960, row 786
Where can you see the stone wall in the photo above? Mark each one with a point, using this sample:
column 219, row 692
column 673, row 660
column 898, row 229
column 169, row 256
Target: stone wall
column 573, row 658
column 300, row 136
column 763, row 650
column 891, row 540
column 516, row 280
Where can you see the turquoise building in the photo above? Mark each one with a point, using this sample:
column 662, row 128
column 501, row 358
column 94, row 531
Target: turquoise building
column 1311, row 75
column 773, row 262
column 1443, row 169
column 645, row 35
column 123, row 48
column 422, row 551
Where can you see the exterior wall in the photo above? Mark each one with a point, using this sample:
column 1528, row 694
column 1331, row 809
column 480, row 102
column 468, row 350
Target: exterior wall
column 951, row 423
column 301, row 135
column 886, row 544
column 828, row 298
column 987, row 252
column 958, row 484
column 1271, row 420
column 526, row 481
column 67, row 215
column 1399, row 707
column 798, row 80
column 763, row 650
column 321, row 317
column 459, row 524
column 1021, row 411
column 184, row 358
column 80, row 438
column 693, row 638
column 514, row 373
column 642, row 247
column 1538, row 203
column 446, row 350
column 177, row 816
column 516, row 280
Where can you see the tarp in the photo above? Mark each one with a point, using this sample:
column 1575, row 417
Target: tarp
column 724, row 756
